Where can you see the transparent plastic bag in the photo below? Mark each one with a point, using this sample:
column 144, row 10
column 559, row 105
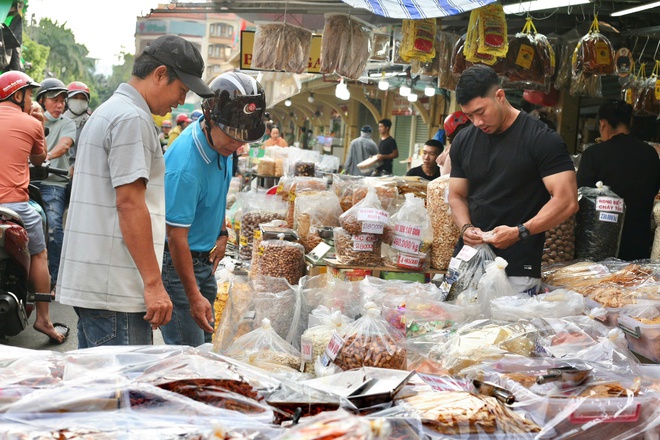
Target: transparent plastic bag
column 366, row 216
column 465, row 271
column 418, row 40
column 493, row 284
column 258, row 208
column 555, row 304
column 281, row 46
column 655, row 252
column 594, row 54
column 343, row 185
column 445, row 231
column 346, row 45
column 559, row 243
column 339, row 425
column 281, row 259
column 357, row 249
column 412, row 235
column 323, row 322
column 599, row 223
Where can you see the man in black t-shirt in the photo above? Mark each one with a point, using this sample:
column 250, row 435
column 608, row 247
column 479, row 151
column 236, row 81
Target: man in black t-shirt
column 387, row 149
column 429, row 169
column 511, row 177
column 631, row 168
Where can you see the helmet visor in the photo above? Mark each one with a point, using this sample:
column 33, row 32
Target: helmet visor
column 240, row 117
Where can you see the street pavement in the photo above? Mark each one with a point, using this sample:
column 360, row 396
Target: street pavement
column 30, row 338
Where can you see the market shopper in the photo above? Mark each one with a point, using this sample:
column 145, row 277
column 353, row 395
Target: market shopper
column 511, row 177
column 182, row 121
column 115, row 231
column 361, row 149
column 429, row 169
column 453, row 125
column 198, row 173
column 164, row 135
column 631, row 168
column 387, row 148
column 22, row 131
column 275, row 139
column 61, row 133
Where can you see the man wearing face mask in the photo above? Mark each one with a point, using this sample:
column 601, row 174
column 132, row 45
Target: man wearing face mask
column 198, row 170
column 60, row 138
column 78, row 111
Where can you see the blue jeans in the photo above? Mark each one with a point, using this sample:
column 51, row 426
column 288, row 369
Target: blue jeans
column 182, row 329
column 106, row 327
column 54, row 198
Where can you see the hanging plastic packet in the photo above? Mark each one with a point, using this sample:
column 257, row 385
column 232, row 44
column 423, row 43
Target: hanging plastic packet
column 281, row 46
column 346, row 45
column 487, row 39
column 599, row 223
column 594, row 54
column 493, row 284
column 418, row 41
column 531, row 58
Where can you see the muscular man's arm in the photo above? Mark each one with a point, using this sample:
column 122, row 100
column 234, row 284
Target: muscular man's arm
column 458, row 201
column 135, row 225
column 61, row 148
column 562, row 204
column 200, row 308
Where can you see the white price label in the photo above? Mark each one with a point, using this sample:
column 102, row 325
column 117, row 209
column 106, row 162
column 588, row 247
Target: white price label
column 361, row 246
column 407, row 229
column 306, row 349
column 372, row 227
column 455, row 263
column 409, row 261
column 609, row 217
column 404, row 244
column 335, row 344
column 466, row 253
column 372, row 215
column 609, row 204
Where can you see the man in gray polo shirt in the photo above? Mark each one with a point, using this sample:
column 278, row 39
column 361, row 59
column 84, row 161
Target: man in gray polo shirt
column 115, row 232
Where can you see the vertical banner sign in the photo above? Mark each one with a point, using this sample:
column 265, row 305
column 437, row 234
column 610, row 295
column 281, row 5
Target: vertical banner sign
column 247, row 45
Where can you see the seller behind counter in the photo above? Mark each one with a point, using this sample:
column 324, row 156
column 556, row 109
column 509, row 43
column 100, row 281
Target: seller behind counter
column 275, row 140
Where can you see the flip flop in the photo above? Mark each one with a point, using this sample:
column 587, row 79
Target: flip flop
column 61, row 329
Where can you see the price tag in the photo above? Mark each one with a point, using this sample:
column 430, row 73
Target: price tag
column 365, row 238
column 454, row 263
column 409, row 261
column 466, row 253
column 629, row 96
column 260, row 250
column 404, row 244
column 657, row 89
column 331, row 351
column 609, row 217
column 372, row 215
column 257, row 234
column 525, row 56
column 237, row 226
column 244, row 240
column 306, row 349
column 361, row 246
column 372, row 228
column 609, row 204
column 406, row 229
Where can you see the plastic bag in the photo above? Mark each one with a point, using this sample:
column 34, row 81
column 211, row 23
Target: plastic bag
column 339, row 425
column 386, row 190
column 531, row 57
column 298, row 186
column 655, row 252
column 343, row 185
column 555, row 304
column 465, row 271
column 487, row 38
column 346, row 45
column 258, row 208
column 323, row 322
column 372, row 342
column 281, row 259
column 418, row 40
column 412, row 235
column 594, row 54
column 445, row 231
column 357, row 249
column 425, row 315
column 599, row 223
column 321, row 209
column 366, row 217
column 279, row 86
column 281, row 46
column 493, row 284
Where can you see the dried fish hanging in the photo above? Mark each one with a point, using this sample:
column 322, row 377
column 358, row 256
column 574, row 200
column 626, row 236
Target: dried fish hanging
column 281, row 46
column 564, row 73
column 346, row 45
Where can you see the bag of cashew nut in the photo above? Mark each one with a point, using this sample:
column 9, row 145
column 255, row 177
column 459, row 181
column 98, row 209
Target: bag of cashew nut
column 281, row 259
column 445, row 231
column 411, row 236
column 370, row 342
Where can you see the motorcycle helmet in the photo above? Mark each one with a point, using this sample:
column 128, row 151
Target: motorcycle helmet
column 13, row 81
column 51, row 88
column 182, row 118
column 454, row 121
column 196, row 115
column 166, row 124
column 237, row 107
column 77, row 88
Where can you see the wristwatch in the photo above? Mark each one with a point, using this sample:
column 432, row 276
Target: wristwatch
column 523, row 232
column 223, row 233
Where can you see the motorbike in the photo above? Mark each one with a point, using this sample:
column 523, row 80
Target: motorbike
column 17, row 299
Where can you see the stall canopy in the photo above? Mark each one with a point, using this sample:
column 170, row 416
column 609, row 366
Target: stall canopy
column 416, row 9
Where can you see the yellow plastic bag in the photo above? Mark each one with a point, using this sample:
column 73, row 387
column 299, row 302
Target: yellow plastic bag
column 418, row 41
column 487, row 39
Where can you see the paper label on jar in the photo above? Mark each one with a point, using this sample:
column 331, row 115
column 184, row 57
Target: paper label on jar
column 409, row 261
column 404, row 244
column 306, row 349
column 609, row 217
column 609, row 204
column 372, row 215
column 372, row 227
column 407, row 229
column 466, row 253
column 362, row 246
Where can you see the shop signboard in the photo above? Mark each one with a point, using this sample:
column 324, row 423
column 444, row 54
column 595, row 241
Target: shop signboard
column 247, row 45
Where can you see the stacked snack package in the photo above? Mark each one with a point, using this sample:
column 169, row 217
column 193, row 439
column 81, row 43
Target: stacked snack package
column 445, row 231
column 346, row 45
column 412, row 235
column 281, row 46
column 418, row 40
column 487, row 40
column 599, row 223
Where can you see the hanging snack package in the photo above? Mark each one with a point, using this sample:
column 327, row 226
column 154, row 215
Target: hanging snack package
column 493, row 284
column 445, row 231
column 599, row 223
column 565, row 68
column 531, row 58
column 412, row 235
column 258, row 208
column 487, row 39
column 382, row 45
column 323, row 323
column 265, row 349
column 465, row 271
column 594, row 54
column 458, row 61
column 346, row 45
column 369, row 342
column 281, row 259
column 418, row 41
column 281, row 46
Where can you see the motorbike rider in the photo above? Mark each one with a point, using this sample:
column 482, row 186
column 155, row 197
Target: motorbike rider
column 22, row 131
column 78, row 111
column 61, row 134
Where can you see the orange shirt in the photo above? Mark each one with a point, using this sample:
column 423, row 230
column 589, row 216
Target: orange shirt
column 22, row 135
column 270, row 142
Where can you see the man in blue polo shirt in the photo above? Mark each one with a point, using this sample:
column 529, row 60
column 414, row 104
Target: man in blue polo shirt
column 198, row 170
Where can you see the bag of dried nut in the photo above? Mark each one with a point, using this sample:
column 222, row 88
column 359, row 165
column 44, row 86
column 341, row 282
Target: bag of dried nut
column 412, row 235
column 358, row 250
column 281, row 259
column 258, row 208
column 265, row 349
column 313, row 342
column 366, row 217
column 371, row 342
column 445, row 231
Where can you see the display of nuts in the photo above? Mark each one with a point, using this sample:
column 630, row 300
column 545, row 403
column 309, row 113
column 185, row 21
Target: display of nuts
column 307, row 169
column 371, row 351
column 560, row 243
column 445, row 231
column 281, row 259
column 266, row 167
column 345, row 249
column 250, row 223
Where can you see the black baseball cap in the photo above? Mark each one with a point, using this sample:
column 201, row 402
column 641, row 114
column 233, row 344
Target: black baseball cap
column 184, row 58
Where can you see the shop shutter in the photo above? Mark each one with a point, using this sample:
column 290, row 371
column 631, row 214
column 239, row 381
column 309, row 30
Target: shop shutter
column 402, row 133
column 421, row 131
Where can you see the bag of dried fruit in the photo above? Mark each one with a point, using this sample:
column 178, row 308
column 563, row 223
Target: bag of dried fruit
column 411, row 237
column 371, row 342
column 313, row 342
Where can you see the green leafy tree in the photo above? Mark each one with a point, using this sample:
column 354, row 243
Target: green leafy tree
column 36, row 57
